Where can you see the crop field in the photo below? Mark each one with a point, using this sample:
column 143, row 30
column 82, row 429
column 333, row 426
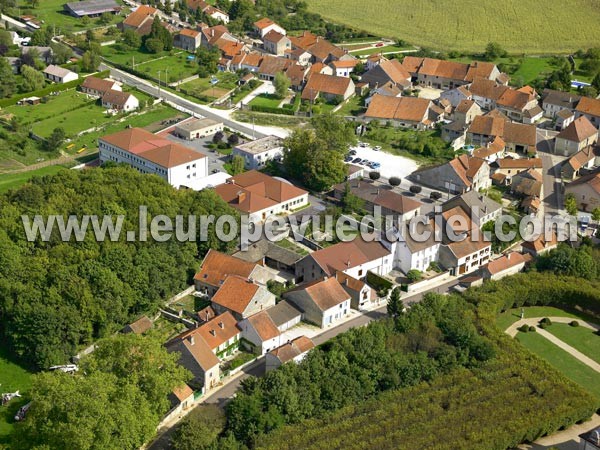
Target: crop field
column 520, row 26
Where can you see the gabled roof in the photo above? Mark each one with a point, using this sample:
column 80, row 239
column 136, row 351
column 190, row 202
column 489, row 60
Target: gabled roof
column 264, row 23
column 292, row 349
column 189, row 33
column 589, row 106
column 560, row 98
column 325, row 293
column 492, row 125
column 218, row 330
column 496, row 146
column 264, row 325
column 380, row 196
column 465, row 106
column 483, row 87
column 217, row 266
column 235, row 293
column 137, row 18
column 592, row 180
column 468, row 246
column 193, row 350
column 146, row 145
column 140, row 326
column 117, row 98
column 305, row 40
column 520, row 163
column 345, row 255
column 270, row 65
column 582, row 157
column 515, row 99
column 505, row 262
column 393, row 70
column 282, row 313
column 98, row 84
column 274, row 36
column 412, row 109
column 466, row 167
column 327, row 84
column 578, row 131
column 57, row 71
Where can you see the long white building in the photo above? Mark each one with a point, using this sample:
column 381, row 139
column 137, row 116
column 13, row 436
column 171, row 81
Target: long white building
column 148, row 153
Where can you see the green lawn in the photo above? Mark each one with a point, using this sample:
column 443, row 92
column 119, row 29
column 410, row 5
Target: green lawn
column 150, row 63
column 353, row 107
column 570, row 366
column 507, row 318
column 278, row 120
column 51, row 12
column 532, row 68
column 268, row 100
column 520, row 26
column 292, row 246
column 227, row 81
column 13, row 377
column 580, row 338
column 14, row 180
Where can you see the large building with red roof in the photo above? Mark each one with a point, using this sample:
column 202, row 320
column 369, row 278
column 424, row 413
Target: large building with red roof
column 152, row 154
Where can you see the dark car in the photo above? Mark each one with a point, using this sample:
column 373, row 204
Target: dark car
column 352, row 152
column 348, row 158
column 356, row 160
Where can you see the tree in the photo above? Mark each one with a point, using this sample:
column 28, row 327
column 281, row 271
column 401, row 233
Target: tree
column 218, row 137
column 33, row 80
column 5, row 38
column 208, row 60
column 282, row 84
column 350, row 202
column 596, row 214
column 7, row 87
column 106, row 18
column 394, row 181
column 90, row 61
column 414, row 275
column 237, row 164
column 493, row 51
column 233, row 139
column 56, row 139
column 394, row 305
column 373, row 175
column 34, row 3
column 132, row 39
column 154, row 45
column 31, row 58
column 596, row 82
column 60, row 53
column 571, row 204
column 200, row 429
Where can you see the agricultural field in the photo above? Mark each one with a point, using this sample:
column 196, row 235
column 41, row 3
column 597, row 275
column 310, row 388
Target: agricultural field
column 525, row 26
column 51, row 12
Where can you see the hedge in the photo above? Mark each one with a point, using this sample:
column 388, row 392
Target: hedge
column 48, row 90
column 270, row 109
column 378, row 282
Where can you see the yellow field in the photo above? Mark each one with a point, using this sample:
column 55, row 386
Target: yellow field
column 520, row 26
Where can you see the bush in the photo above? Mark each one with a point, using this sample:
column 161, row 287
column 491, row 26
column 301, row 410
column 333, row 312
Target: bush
column 374, row 175
column 532, row 329
column 394, row 181
column 414, row 275
column 415, row 189
column 435, row 195
column 546, row 321
column 574, row 323
column 523, row 328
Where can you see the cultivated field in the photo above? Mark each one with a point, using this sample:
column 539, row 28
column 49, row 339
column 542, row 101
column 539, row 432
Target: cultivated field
column 521, row 26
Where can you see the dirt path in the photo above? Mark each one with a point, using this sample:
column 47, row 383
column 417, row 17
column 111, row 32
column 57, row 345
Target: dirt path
column 513, row 330
column 40, row 165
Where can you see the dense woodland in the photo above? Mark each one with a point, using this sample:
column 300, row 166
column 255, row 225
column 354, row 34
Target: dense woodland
column 56, row 297
column 427, row 373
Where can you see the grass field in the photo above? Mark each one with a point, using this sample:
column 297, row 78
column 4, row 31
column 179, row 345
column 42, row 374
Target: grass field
column 14, row 180
column 372, row 50
column 203, row 87
column 520, row 26
column 507, row 318
column 267, row 100
column 13, row 377
column 571, row 367
column 580, row 338
column 51, row 12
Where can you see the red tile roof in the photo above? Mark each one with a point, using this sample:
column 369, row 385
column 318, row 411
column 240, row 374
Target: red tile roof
column 411, row 109
column 349, row 254
column 219, row 330
column 325, row 84
column 578, row 131
column 137, row 18
column 589, row 106
column 217, row 266
column 235, row 293
column 264, row 325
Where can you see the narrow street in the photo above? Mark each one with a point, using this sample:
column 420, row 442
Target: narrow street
column 553, row 192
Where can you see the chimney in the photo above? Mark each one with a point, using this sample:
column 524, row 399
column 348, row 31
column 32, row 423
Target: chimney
column 212, row 32
column 348, row 263
column 221, row 325
column 241, row 197
column 191, row 340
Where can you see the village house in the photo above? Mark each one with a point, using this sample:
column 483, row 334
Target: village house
column 509, row 167
column 354, row 258
column 457, row 176
column 97, row 87
column 284, row 315
column 540, row 245
column 405, row 112
column 148, row 153
column 465, row 256
column 249, row 61
column 181, row 398
column 241, row 297
column 210, row 35
column 480, row 208
column 140, row 20
column 208, row 10
column 270, row 254
column 443, row 74
column 392, row 204
column 276, row 43
column 217, row 266
column 140, row 326
column 583, row 159
column 577, row 136
column 58, row 74
column 120, row 101
column 329, row 87
column 265, row 25
column 322, row 302
column 260, row 332
column 343, row 68
column 197, row 128
column 294, row 350
column 528, row 183
column 586, row 191
column 388, row 70
column 563, row 119
column 417, row 254
column 590, row 108
column 196, row 356
column 456, row 95
column 466, row 111
column 554, row 102
column 259, row 195
column 491, row 151
column 188, row 40
column 221, row 334
column 319, row 48
column 486, row 92
column 388, row 89
column 517, row 137
column 520, row 105
column 508, row 264
column 271, row 65
column 361, row 294
column 299, row 55
column 258, row 153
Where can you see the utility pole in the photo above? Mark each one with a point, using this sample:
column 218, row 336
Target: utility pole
column 167, row 76
column 159, row 83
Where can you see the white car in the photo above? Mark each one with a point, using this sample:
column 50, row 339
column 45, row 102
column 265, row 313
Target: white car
column 363, row 144
column 377, row 148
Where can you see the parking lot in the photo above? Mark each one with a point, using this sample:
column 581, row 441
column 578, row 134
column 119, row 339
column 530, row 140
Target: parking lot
column 391, row 165
column 215, row 161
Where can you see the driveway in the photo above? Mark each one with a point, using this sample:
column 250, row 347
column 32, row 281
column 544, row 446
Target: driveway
column 215, row 160
column 391, row 165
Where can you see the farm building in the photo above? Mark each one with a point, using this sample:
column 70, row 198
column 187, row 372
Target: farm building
column 198, row 128
column 92, row 8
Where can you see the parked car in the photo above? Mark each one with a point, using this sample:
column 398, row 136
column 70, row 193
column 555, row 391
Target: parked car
column 375, row 165
column 363, row 145
column 435, row 195
column 348, row 159
column 356, row 161
column 352, row 152
column 366, row 162
column 377, row 148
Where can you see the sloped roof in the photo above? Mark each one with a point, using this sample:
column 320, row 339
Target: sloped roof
column 264, row 325
column 292, row 349
column 282, row 313
column 57, row 71
column 191, row 345
column 325, row 293
column 578, row 131
column 592, row 180
column 98, row 84
column 411, row 109
column 328, row 84
column 137, row 18
column 560, row 98
column 263, row 23
column 217, row 266
column 274, row 36
column 582, row 157
column 140, row 326
column 519, row 163
column 345, row 255
column 235, row 293
column 589, row 106
column 118, row 98
column 505, row 262
column 219, row 330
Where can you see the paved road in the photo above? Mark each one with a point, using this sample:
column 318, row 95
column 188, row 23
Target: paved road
column 225, row 393
column 553, row 201
column 189, row 106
